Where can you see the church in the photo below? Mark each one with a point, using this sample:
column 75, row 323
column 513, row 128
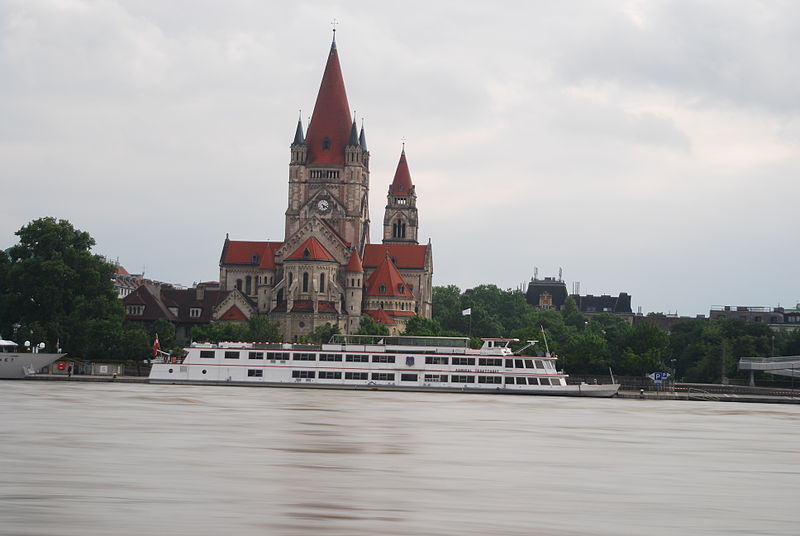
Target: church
column 326, row 271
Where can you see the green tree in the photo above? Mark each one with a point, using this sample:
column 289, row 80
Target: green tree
column 572, row 315
column 422, row 327
column 165, row 331
column 323, row 334
column 58, row 291
column 587, row 353
column 257, row 328
column 370, row 327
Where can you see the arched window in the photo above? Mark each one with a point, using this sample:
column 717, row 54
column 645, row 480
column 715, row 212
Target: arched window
column 305, row 281
column 290, row 279
column 322, row 282
column 248, row 284
column 382, row 290
column 239, row 284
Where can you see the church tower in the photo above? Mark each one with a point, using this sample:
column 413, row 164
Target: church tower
column 400, row 220
column 329, row 166
column 325, row 272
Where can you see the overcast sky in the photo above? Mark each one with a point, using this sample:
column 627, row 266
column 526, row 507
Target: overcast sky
column 646, row 147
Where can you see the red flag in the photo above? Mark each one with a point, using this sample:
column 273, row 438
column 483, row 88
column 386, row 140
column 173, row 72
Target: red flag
column 156, row 346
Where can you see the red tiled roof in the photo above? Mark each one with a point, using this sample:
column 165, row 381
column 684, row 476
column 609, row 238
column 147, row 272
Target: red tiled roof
column 234, row 313
column 354, row 264
column 324, row 307
column 242, row 252
column 401, row 184
column 308, row 305
column 382, row 316
column 387, row 281
column 405, row 255
column 121, row 270
column 311, row 250
column 331, row 118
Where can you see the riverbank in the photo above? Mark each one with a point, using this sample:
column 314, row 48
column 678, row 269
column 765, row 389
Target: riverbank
column 704, row 392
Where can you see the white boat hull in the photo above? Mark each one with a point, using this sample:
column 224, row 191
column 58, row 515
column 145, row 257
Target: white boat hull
column 19, row 365
column 593, row 391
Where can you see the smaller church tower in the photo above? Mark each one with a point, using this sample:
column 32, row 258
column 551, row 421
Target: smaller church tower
column 354, row 292
column 400, row 221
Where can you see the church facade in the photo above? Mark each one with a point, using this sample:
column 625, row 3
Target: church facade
column 326, row 271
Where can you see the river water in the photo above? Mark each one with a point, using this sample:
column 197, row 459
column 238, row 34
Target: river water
column 134, row 459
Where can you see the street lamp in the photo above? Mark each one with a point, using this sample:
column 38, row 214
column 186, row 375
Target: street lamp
column 674, row 375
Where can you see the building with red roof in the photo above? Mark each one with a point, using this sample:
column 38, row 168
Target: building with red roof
column 325, row 271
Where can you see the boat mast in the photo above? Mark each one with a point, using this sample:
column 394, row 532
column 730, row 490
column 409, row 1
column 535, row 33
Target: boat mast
column 546, row 347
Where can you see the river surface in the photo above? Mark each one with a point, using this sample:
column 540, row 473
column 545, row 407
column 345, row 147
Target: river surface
column 135, row 459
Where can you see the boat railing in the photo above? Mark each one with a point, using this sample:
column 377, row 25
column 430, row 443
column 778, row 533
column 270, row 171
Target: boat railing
column 400, row 340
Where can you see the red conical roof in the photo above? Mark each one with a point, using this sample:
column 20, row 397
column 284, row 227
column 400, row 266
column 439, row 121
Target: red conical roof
column 386, row 280
column 331, row 119
column 311, row 250
column 401, row 184
column 354, row 265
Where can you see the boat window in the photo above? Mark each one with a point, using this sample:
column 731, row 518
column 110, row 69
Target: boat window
column 464, row 361
column 509, row 363
column 299, row 356
column 518, row 363
column 522, row 381
column 255, row 373
column 283, row 356
column 436, row 378
column 463, row 379
column 544, row 381
column 383, row 359
column 330, row 357
column 355, row 376
column 303, row 374
column 231, row 355
column 539, row 364
column 509, row 380
column 409, row 377
column 329, row 375
column 207, row 354
column 383, row 376
column 256, row 355
column 533, row 381
column 488, row 379
column 528, row 363
column 430, row 360
column 356, row 358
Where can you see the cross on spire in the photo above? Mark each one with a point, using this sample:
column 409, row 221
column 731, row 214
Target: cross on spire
column 334, row 22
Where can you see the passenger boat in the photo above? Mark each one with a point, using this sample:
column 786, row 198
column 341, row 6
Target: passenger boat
column 402, row 363
column 15, row 365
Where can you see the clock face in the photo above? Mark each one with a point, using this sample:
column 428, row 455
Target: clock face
column 323, row 205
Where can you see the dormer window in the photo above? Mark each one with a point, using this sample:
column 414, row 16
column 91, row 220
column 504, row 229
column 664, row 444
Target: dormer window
column 255, row 258
column 382, row 289
column 306, row 253
column 194, row 312
column 135, row 310
column 400, row 187
column 401, row 288
column 326, row 144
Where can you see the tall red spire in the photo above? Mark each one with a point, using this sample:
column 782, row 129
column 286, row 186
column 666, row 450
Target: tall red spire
column 330, row 125
column 401, row 185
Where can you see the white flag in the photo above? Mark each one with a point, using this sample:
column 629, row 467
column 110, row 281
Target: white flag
column 466, row 312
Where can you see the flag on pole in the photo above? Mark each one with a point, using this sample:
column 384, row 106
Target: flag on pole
column 156, row 346
column 467, row 312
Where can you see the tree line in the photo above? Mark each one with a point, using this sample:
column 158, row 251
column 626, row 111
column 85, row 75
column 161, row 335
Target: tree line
column 53, row 289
